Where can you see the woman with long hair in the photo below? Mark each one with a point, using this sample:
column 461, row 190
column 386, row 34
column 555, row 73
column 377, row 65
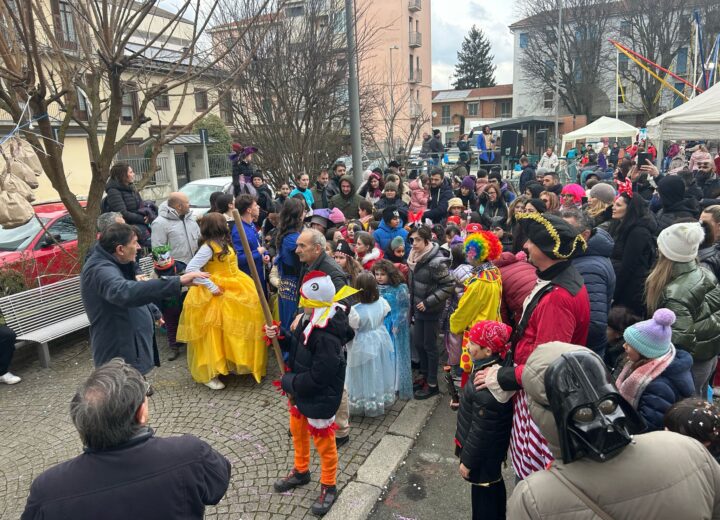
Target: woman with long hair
column 222, row 321
column 552, row 202
column 633, row 255
column 692, row 293
column 372, row 190
column 290, row 225
column 493, row 204
column 122, row 197
column 345, row 258
column 516, row 208
column 600, row 202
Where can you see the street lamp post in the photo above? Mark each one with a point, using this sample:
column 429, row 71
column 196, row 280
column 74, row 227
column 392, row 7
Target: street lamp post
column 353, row 93
column 391, row 133
column 557, row 75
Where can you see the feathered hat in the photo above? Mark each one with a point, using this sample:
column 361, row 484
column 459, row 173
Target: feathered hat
column 317, row 292
column 481, row 245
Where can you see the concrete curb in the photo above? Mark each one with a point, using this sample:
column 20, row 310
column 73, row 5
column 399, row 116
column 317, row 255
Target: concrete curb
column 357, row 500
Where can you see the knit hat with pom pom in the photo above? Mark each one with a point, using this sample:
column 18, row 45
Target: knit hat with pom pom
column 680, row 242
column 651, row 338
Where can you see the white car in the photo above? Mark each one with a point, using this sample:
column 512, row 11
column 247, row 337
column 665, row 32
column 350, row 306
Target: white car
column 199, row 192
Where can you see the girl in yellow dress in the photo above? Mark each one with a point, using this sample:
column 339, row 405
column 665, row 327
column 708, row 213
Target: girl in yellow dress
column 222, row 320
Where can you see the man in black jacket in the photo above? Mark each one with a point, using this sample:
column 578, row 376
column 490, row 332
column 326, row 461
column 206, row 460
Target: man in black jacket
column 338, row 172
column 125, row 471
column 440, row 194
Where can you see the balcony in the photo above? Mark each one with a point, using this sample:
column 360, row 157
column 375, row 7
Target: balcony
column 415, row 5
column 416, row 76
column 415, row 39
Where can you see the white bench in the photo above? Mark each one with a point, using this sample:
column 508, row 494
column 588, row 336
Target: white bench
column 45, row 313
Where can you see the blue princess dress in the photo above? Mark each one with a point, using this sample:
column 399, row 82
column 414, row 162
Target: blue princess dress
column 370, row 377
column 396, row 323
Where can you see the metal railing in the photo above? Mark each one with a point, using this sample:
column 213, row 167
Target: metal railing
column 141, row 167
column 415, row 5
column 416, row 76
column 415, row 39
column 219, row 165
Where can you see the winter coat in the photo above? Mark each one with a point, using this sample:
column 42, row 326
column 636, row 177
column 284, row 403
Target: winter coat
column 265, row 201
column 180, row 233
column 483, row 430
column 438, row 202
column 419, row 197
column 368, row 259
column 518, row 279
column 672, row 385
column 396, row 203
column 436, row 148
column 660, row 475
column 430, row 282
column 333, row 187
column 710, row 186
column 633, row 256
column 307, row 193
column 384, row 234
column 694, row 296
column 146, row 478
column 597, row 271
column 125, row 200
column 470, row 200
column 667, row 216
column 348, row 204
column 709, row 258
column 320, row 196
column 117, row 306
column 494, row 209
column 317, row 369
column 254, row 241
column 528, row 174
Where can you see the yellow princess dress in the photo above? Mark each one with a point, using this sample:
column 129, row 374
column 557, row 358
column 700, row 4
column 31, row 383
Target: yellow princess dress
column 224, row 333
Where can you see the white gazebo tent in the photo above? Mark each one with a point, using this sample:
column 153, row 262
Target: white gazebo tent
column 699, row 118
column 603, row 127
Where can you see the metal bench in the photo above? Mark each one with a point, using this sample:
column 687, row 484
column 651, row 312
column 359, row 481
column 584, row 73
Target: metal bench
column 45, row 313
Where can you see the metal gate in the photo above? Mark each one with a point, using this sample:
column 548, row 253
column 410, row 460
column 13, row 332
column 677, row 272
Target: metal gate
column 181, row 168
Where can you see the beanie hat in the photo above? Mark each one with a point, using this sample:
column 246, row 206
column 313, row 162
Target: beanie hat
column 396, row 242
column 344, row 248
column 556, row 238
column 535, row 189
column 336, row 216
column 671, row 189
column 237, row 147
column 603, row 192
column 680, row 242
column 390, row 213
column 468, row 182
column 493, row 335
column 454, row 219
column 256, row 173
column 391, row 186
column 455, row 202
column 651, row 338
column 538, row 204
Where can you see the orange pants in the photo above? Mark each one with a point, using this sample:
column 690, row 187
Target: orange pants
column 324, row 444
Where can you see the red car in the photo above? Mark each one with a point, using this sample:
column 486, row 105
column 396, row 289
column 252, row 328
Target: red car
column 42, row 257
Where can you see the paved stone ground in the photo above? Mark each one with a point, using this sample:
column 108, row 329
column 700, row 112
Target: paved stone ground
column 246, row 422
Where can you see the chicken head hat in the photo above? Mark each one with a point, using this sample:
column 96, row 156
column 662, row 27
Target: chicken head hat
column 317, row 293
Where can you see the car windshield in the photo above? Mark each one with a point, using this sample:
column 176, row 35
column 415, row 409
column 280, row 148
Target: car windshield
column 199, row 194
column 19, row 238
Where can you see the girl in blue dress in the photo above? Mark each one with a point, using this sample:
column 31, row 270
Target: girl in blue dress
column 370, row 376
column 290, row 225
column 394, row 290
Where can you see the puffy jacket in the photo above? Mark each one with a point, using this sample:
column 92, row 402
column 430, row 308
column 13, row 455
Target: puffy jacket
column 483, row 430
column 418, row 196
column 672, row 385
column 667, row 216
column 384, row 234
column 126, row 200
column 709, row 258
column 694, row 296
column 660, row 475
column 518, row 280
column 633, row 256
column 397, row 203
column 430, row 283
column 597, row 271
column 348, row 204
column 317, row 370
column 181, row 234
column 438, row 202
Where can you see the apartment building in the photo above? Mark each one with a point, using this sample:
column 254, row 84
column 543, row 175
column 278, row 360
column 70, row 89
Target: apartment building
column 454, row 111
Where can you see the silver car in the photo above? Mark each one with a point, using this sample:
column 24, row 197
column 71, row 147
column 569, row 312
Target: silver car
column 199, row 192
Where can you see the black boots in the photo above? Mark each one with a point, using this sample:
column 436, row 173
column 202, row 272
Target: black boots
column 293, row 480
column 324, row 502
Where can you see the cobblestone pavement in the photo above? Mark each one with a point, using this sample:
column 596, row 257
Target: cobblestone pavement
column 246, row 422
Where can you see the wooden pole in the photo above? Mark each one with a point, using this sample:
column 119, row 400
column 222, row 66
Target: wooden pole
column 258, row 287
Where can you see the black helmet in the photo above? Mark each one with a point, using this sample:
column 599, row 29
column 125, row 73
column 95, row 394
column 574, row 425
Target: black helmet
column 592, row 418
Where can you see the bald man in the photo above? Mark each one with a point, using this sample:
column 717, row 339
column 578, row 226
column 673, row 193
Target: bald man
column 175, row 227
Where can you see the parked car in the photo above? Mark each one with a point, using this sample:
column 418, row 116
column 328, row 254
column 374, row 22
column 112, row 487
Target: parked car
column 42, row 256
column 199, row 192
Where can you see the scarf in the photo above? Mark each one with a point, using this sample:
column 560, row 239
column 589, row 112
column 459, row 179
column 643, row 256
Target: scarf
column 632, row 383
column 415, row 258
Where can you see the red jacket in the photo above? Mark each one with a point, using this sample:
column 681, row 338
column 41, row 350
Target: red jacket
column 518, row 279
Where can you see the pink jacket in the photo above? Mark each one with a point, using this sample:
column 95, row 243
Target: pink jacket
column 418, row 197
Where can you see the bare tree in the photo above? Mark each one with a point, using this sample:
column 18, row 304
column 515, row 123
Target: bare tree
column 585, row 51
column 105, row 67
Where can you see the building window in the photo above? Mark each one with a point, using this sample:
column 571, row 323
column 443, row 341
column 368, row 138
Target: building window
column 226, row 110
column 129, row 107
column 623, row 62
column 549, row 67
column 620, row 95
column 445, row 115
column 412, row 66
column 472, row 108
column 64, row 24
column 524, row 39
column 294, row 11
column 681, row 61
column 503, row 109
column 677, row 100
column 81, row 110
column 578, row 73
column 162, row 101
column 548, row 99
column 625, row 27
column 201, row 100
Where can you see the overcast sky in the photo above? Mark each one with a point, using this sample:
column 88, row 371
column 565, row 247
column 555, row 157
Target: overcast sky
column 452, row 20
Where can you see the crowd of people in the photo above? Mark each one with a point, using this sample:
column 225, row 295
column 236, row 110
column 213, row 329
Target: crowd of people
column 566, row 318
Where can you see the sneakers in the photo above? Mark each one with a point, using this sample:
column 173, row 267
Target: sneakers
column 9, row 379
column 419, row 383
column 293, row 480
column 174, row 353
column 328, row 495
column 426, row 392
column 215, row 384
column 341, row 441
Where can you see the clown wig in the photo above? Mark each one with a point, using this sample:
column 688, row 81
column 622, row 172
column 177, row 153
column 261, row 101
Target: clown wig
column 481, row 246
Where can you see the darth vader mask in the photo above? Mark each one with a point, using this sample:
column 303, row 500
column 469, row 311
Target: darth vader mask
column 592, row 418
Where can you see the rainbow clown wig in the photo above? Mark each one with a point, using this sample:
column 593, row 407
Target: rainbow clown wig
column 480, row 245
